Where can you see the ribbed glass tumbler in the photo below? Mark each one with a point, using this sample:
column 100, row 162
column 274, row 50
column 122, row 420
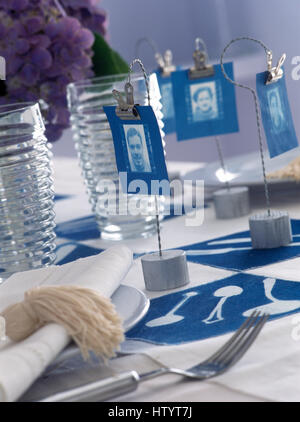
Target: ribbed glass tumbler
column 26, row 195
column 95, row 148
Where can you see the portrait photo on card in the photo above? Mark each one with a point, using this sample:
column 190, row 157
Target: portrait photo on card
column 276, row 110
column 276, row 115
column 138, row 149
column 204, row 101
column 138, row 154
column 204, row 106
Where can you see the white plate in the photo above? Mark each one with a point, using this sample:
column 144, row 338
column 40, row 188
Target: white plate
column 131, row 304
column 244, row 169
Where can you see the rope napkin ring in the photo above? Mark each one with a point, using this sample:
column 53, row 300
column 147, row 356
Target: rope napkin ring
column 89, row 318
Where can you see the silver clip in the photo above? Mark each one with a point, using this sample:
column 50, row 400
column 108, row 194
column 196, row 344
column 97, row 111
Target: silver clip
column 126, row 110
column 201, row 69
column 275, row 73
column 160, row 61
column 165, row 64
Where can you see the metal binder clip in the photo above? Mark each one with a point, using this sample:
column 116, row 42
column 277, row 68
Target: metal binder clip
column 165, row 64
column 275, row 73
column 201, row 69
column 126, row 110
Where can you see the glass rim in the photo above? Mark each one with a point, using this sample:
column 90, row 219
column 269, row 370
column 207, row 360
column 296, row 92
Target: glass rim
column 13, row 107
column 98, row 80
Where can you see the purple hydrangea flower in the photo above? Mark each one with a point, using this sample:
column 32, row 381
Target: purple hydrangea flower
column 47, row 46
column 88, row 13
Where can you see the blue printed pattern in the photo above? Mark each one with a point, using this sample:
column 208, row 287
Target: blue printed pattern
column 79, row 229
column 234, row 252
column 59, row 197
column 70, row 251
column 215, row 308
column 85, row 228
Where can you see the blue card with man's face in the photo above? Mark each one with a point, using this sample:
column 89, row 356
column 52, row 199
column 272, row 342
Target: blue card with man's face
column 276, row 115
column 139, row 151
column 204, row 106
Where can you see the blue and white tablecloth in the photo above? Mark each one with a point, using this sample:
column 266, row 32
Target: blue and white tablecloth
column 228, row 281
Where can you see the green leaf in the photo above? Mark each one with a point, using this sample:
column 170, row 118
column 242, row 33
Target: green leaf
column 106, row 61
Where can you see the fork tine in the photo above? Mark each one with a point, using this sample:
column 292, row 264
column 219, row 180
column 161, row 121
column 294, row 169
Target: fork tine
column 246, row 325
column 244, row 345
column 225, row 352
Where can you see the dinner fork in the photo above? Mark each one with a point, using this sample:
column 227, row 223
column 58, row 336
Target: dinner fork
column 218, row 363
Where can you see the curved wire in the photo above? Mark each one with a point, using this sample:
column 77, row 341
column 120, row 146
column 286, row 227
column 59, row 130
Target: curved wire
column 147, row 40
column 269, row 65
column 138, row 61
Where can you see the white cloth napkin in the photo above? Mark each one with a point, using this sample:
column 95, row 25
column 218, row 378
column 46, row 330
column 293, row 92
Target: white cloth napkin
column 21, row 363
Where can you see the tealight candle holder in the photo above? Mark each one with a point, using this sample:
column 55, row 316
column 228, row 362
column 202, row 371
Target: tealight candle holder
column 165, row 270
column 232, row 202
column 270, row 230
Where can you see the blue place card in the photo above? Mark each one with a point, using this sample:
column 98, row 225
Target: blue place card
column 204, row 106
column 139, row 151
column 276, row 115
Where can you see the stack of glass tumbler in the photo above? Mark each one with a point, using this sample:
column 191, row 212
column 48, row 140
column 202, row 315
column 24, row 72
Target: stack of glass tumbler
column 26, row 195
column 94, row 144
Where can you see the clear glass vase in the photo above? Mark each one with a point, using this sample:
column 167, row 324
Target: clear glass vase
column 26, row 194
column 95, row 148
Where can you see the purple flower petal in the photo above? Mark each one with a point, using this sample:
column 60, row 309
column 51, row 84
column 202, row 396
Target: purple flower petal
column 3, row 30
column 22, row 46
column 40, row 39
column 77, row 74
column 84, row 38
column 53, row 132
column 41, row 58
column 29, row 74
column 19, row 5
column 13, row 64
column 68, row 27
column 34, row 24
column 52, row 29
column 55, row 70
column 84, row 61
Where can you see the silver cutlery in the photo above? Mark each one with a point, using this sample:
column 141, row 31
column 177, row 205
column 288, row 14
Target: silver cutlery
column 217, row 364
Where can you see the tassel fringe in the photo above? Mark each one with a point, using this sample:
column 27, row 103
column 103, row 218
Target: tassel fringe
column 89, row 318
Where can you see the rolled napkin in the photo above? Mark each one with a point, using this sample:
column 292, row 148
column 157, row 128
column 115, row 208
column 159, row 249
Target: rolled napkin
column 21, row 363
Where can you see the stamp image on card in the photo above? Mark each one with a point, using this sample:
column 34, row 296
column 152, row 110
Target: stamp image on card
column 276, row 115
column 137, row 148
column 204, row 101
